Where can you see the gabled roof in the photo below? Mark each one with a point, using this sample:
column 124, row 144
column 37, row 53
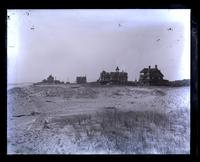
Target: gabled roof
column 144, row 70
column 50, row 76
column 152, row 71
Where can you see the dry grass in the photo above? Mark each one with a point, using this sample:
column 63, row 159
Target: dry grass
column 124, row 120
column 133, row 132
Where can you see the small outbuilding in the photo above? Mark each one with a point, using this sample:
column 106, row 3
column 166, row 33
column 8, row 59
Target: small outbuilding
column 81, row 79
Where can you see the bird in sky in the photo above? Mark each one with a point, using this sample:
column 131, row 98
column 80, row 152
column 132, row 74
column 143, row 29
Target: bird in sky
column 27, row 13
column 158, row 40
column 32, row 28
column 119, row 25
column 170, row 29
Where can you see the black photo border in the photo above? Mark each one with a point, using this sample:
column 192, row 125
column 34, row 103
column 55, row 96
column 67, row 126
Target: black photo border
column 100, row 4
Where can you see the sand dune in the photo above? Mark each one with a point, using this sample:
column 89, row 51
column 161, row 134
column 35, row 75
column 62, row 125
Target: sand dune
column 76, row 119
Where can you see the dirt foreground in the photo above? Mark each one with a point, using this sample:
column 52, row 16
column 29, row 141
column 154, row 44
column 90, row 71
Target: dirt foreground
column 78, row 119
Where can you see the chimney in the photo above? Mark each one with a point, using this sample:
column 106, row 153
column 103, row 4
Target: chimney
column 156, row 66
column 117, row 69
column 149, row 67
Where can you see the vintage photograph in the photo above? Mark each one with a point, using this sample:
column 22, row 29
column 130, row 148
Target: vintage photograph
column 98, row 81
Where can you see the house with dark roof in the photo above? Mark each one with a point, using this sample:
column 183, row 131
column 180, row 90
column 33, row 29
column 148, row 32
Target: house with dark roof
column 50, row 79
column 152, row 76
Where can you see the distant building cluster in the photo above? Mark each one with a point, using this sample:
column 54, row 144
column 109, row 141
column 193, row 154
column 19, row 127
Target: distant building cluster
column 116, row 77
column 148, row 77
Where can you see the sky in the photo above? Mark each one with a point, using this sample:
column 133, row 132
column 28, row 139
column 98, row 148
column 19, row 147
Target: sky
column 70, row 43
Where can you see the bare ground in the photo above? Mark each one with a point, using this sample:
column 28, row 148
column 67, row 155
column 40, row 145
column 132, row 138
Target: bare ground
column 76, row 119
